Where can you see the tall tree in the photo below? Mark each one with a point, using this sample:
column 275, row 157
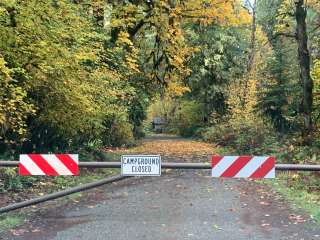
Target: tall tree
column 292, row 24
column 253, row 8
column 304, row 62
column 280, row 91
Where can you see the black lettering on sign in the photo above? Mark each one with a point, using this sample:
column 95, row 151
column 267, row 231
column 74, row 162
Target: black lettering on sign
column 141, row 169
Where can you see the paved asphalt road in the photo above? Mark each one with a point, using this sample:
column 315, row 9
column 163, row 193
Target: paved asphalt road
column 178, row 205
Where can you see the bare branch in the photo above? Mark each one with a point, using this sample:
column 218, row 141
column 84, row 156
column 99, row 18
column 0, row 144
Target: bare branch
column 289, row 35
column 249, row 3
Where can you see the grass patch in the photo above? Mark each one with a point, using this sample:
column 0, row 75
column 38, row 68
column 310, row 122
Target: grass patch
column 11, row 221
column 299, row 196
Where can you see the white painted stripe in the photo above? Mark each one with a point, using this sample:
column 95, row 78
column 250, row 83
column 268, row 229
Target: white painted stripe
column 57, row 165
column 75, row 157
column 223, row 165
column 30, row 165
column 271, row 174
column 251, row 167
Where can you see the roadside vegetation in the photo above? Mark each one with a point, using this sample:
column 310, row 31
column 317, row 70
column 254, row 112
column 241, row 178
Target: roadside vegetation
column 10, row 222
column 301, row 190
column 82, row 76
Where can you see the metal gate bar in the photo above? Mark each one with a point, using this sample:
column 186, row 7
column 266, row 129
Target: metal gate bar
column 166, row 165
column 174, row 165
column 62, row 193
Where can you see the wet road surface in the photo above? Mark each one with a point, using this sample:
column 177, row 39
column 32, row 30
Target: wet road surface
column 184, row 204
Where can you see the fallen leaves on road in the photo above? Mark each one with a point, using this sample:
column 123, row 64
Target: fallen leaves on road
column 184, row 150
column 18, row 232
column 264, row 203
column 265, row 224
column 217, row 227
column 296, row 218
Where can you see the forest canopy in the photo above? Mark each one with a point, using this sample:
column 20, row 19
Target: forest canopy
column 91, row 73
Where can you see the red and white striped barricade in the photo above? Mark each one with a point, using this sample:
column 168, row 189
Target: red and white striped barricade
column 243, row 166
column 48, row 164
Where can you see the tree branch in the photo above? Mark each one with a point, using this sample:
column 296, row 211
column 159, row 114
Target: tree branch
column 289, row 35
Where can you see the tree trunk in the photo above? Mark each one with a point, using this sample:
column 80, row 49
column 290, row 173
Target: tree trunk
column 253, row 37
column 107, row 16
column 304, row 62
column 252, row 52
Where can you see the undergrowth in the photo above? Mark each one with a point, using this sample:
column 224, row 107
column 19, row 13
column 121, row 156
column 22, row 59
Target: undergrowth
column 7, row 222
column 291, row 186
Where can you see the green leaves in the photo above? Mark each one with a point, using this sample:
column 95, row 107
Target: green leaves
column 221, row 59
column 54, row 62
column 15, row 108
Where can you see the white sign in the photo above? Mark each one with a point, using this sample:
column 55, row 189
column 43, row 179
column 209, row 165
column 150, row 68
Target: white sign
column 141, row 165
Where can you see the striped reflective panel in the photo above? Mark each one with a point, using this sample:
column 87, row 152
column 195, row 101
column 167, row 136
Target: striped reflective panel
column 243, row 166
column 48, row 164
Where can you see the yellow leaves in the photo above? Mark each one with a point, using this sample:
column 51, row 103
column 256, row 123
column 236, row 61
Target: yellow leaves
column 233, row 14
column 284, row 17
column 243, row 98
column 116, row 22
column 132, row 63
column 229, row 13
column 244, row 17
column 261, row 36
column 123, row 38
column 82, row 56
column 176, row 11
column 316, row 71
column 177, row 61
column 175, row 89
column 8, row 2
column 4, row 71
column 127, row 15
column 13, row 107
column 162, row 36
column 3, row 11
column 2, row 118
column 131, row 57
column 315, row 4
column 316, row 79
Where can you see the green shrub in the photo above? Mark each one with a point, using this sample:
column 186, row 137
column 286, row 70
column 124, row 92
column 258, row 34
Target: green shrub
column 245, row 137
column 121, row 134
column 118, row 132
column 187, row 118
column 293, row 150
column 182, row 117
column 10, row 181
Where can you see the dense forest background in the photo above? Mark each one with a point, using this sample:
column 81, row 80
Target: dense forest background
column 86, row 74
